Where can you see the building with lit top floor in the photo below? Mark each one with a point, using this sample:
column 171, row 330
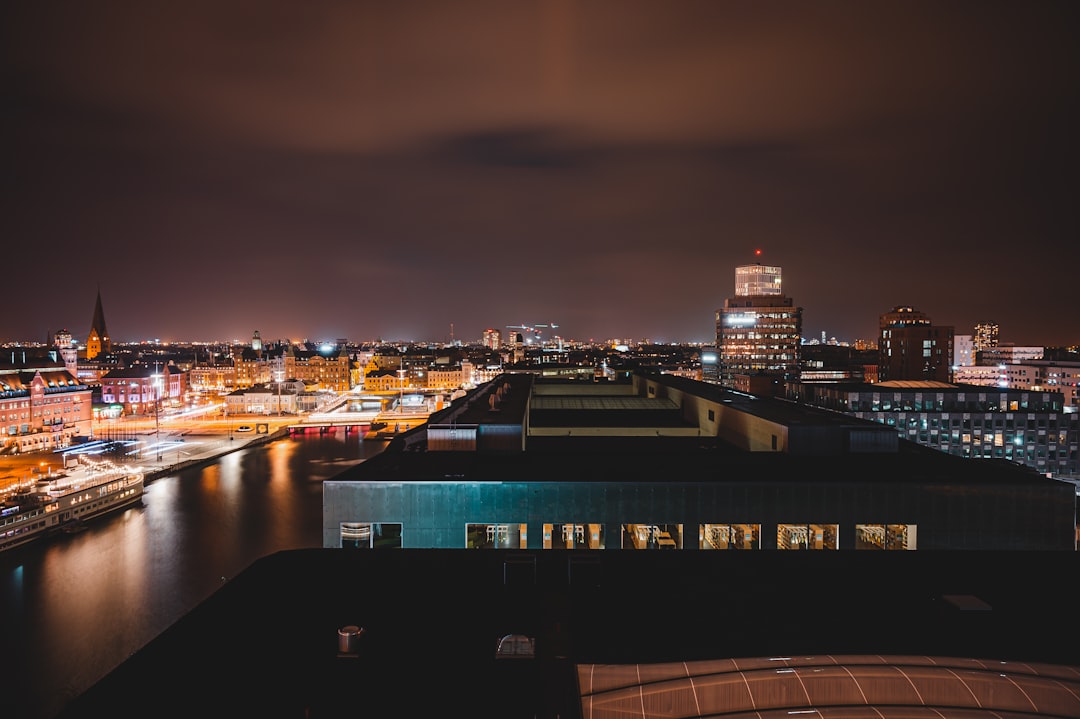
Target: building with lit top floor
column 758, row 332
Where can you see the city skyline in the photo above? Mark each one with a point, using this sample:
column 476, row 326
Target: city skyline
column 370, row 171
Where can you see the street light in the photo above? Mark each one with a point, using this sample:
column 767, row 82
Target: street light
column 157, row 408
column 280, row 376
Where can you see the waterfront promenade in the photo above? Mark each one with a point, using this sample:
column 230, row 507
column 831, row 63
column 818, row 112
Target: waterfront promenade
column 180, row 449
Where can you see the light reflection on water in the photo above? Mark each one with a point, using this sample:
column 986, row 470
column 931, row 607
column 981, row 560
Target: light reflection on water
column 74, row 607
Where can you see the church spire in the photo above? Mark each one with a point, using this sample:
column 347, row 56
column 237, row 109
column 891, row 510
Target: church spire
column 98, row 341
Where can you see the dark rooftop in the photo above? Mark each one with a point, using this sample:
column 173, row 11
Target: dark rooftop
column 705, row 459
column 266, row 644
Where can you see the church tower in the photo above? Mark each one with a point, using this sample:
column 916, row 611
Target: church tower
column 98, row 341
column 68, row 350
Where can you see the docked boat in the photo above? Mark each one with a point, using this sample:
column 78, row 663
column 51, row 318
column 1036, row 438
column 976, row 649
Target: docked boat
column 65, row 503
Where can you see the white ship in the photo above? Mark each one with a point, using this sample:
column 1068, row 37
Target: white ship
column 63, row 503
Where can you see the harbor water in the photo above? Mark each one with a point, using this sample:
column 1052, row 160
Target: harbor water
column 75, row 606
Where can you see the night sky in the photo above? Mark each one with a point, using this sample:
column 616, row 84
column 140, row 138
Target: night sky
column 392, row 170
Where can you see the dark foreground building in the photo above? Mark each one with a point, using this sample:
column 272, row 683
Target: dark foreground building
column 553, row 621
column 656, row 635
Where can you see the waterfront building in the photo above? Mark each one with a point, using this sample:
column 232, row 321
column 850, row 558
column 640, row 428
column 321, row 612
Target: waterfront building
column 663, row 462
column 758, row 335
column 1026, row 426
column 911, row 347
column 320, row 369
column 287, row 397
column 144, row 389
column 43, row 406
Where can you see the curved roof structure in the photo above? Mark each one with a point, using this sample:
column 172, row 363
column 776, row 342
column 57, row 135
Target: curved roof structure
column 908, row 687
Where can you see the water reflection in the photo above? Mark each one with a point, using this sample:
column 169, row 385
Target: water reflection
column 73, row 608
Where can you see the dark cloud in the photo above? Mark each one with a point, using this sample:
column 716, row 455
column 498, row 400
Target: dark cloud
column 384, row 170
column 524, row 148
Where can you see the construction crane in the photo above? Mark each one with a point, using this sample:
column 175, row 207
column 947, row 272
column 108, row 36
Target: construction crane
column 535, row 330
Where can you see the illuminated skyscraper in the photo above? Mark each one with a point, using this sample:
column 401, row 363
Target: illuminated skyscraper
column 492, row 339
column 986, row 336
column 758, row 332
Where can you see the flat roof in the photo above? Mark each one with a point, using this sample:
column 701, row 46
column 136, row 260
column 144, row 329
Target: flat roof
column 267, row 642
column 698, row 459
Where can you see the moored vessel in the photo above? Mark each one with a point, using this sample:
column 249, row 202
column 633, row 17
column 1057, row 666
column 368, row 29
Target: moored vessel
column 65, row 502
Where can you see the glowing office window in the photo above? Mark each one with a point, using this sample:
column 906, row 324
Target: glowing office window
column 729, row 536
column 496, row 536
column 900, row 536
column 885, row 536
column 807, row 536
column 370, row 535
column 573, row 536
column 651, row 536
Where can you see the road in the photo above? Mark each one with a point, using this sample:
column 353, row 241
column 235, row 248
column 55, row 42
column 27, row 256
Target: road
column 172, row 441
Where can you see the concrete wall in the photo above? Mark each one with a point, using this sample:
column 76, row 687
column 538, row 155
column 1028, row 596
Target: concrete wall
column 952, row 516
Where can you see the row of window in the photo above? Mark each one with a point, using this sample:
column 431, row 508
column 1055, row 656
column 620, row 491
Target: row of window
column 515, row 535
column 1054, row 424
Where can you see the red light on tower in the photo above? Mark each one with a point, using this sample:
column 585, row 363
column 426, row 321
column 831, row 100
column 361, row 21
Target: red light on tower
column 757, row 252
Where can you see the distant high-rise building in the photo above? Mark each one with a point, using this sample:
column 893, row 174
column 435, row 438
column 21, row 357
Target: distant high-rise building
column 912, row 348
column 492, row 338
column 257, row 343
column 758, row 332
column 98, row 342
column 986, row 336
